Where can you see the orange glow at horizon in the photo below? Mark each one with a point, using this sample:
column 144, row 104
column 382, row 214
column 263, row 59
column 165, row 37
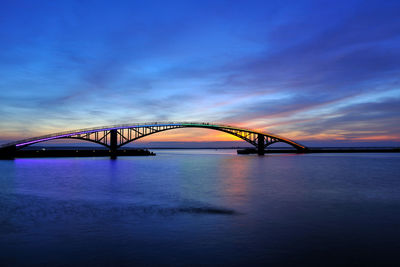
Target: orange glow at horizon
column 189, row 135
column 207, row 135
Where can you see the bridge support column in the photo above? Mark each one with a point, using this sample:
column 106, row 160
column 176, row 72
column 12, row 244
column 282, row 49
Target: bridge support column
column 260, row 144
column 113, row 143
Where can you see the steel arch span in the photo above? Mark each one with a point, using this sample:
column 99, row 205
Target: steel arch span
column 116, row 136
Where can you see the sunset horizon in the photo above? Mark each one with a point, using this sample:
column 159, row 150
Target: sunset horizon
column 329, row 77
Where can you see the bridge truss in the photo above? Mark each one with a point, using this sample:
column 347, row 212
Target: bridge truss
column 114, row 137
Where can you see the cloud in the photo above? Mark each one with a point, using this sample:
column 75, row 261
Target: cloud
column 359, row 121
column 301, row 69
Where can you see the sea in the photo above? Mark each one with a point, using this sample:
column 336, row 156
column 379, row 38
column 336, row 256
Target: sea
column 201, row 207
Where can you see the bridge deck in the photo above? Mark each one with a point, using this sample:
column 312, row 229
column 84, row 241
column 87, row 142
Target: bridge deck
column 125, row 133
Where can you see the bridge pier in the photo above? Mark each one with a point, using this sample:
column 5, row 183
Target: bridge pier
column 113, row 143
column 260, row 144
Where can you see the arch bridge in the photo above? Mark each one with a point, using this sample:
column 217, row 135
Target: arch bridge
column 116, row 136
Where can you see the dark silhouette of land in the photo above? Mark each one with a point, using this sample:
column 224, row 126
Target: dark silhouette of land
column 55, row 152
column 78, row 152
column 325, row 150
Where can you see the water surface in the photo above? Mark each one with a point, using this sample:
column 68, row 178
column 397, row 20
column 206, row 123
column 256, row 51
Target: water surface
column 201, row 207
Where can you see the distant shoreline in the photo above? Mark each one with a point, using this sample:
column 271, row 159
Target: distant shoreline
column 57, row 152
column 233, row 147
column 311, row 150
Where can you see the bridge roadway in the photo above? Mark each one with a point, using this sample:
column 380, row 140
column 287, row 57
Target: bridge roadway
column 116, row 136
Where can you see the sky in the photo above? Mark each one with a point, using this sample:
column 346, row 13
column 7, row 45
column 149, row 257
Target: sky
column 307, row 70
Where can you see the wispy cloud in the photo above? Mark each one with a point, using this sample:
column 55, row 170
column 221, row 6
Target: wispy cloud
column 306, row 70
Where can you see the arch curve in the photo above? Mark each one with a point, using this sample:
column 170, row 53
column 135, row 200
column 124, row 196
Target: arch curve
column 117, row 136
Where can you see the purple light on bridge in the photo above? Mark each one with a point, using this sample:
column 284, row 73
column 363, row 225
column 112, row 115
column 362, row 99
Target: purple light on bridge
column 91, row 131
column 260, row 144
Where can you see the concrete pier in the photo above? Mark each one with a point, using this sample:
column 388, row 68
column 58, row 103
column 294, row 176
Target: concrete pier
column 260, row 144
column 113, row 143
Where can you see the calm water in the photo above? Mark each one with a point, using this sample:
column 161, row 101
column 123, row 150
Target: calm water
column 201, row 207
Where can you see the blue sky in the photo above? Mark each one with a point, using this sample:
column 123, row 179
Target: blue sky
column 308, row 70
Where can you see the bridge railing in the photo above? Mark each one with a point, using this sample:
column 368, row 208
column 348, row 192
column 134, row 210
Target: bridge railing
column 130, row 125
column 99, row 128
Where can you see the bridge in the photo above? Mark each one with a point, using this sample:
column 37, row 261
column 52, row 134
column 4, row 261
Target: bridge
column 116, row 136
